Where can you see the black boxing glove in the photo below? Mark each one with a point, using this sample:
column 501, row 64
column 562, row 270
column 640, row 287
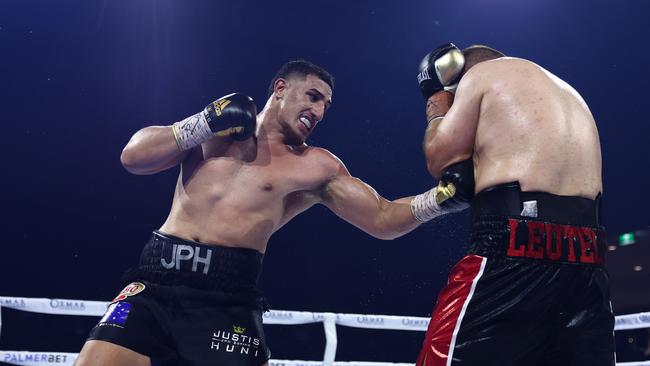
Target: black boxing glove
column 453, row 193
column 233, row 115
column 440, row 70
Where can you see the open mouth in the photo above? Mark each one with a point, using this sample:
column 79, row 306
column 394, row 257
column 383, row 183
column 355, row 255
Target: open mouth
column 306, row 122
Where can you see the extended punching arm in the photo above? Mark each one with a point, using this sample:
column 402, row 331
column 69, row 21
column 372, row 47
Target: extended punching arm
column 453, row 193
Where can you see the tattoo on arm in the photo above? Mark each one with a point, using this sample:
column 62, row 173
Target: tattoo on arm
column 438, row 104
column 432, row 107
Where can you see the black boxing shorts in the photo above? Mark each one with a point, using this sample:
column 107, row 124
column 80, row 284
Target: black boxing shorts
column 190, row 304
column 532, row 291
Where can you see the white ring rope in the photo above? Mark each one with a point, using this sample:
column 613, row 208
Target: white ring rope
column 329, row 320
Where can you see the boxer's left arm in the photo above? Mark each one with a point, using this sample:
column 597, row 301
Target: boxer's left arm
column 450, row 135
column 360, row 205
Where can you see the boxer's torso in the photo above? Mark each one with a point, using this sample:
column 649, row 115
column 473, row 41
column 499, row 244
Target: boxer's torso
column 245, row 193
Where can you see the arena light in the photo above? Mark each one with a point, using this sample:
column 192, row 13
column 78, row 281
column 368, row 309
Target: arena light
column 626, row 239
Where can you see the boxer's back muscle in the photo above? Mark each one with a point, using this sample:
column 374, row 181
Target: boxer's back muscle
column 536, row 129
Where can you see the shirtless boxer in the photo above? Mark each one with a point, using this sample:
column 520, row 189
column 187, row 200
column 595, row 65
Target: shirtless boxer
column 533, row 289
column 193, row 298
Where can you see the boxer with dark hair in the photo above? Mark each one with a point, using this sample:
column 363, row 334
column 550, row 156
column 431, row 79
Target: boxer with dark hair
column 533, row 289
column 193, row 298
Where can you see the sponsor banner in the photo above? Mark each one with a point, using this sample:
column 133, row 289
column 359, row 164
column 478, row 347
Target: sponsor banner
column 294, row 363
column 98, row 308
column 54, row 358
column 291, row 317
column 341, row 363
column 37, row 358
column 632, row 321
column 349, row 320
column 64, row 359
column 55, row 306
column 361, row 363
column 382, row 322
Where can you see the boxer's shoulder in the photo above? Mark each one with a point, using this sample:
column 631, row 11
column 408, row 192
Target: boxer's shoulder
column 322, row 158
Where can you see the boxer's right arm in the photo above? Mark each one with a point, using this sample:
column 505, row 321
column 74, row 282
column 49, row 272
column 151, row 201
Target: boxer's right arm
column 151, row 150
column 450, row 138
column 157, row 148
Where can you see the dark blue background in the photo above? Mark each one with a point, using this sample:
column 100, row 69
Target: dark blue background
column 78, row 78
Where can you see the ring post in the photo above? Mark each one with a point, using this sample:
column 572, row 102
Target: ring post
column 329, row 323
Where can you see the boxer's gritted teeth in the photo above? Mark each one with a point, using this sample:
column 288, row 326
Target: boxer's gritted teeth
column 305, row 121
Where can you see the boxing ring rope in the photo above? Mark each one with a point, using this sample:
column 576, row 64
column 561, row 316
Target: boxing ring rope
column 329, row 320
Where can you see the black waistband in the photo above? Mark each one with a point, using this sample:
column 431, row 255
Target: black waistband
column 508, row 200
column 501, row 237
column 537, row 225
column 168, row 260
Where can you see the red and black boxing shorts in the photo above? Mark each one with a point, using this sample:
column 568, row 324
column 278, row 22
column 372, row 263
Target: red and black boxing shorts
column 190, row 304
column 532, row 291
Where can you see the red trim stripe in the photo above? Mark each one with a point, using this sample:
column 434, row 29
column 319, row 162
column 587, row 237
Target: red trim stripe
column 449, row 310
